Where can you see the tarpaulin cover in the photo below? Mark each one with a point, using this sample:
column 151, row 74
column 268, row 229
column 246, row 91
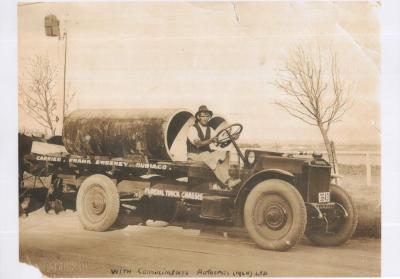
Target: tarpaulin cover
column 157, row 133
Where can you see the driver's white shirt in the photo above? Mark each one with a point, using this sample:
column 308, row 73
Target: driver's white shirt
column 193, row 135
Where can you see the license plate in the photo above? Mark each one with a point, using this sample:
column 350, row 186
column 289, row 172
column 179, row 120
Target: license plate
column 324, row 197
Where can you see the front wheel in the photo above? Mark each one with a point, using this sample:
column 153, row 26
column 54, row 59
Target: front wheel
column 275, row 215
column 341, row 227
column 97, row 203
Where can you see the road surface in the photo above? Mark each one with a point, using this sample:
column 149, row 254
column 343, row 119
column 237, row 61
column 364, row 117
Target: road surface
column 61, row 248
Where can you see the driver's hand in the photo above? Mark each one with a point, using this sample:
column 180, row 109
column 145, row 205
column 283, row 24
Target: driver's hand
column 214, row 140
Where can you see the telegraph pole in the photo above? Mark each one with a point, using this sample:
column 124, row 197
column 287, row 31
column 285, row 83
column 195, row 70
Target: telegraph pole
column 52, row 29
column 65, row 75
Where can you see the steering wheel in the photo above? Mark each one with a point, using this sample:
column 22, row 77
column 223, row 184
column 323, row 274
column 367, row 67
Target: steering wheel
column 226, row 135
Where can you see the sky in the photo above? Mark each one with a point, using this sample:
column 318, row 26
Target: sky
column 224, row 55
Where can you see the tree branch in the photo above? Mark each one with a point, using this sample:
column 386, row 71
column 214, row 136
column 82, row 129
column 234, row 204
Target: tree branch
column 37, row 91
column 305, row 84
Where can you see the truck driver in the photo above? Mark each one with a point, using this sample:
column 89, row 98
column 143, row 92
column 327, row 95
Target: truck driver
column 201, row 146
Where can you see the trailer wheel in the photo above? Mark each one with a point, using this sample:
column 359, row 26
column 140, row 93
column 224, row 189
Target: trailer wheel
column 97, row 203
column 275, row 215
column 340, row 228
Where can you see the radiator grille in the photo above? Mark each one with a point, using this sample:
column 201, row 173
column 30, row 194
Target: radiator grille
column 319, row 178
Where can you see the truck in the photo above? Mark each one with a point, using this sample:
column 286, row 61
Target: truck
column 126, row 163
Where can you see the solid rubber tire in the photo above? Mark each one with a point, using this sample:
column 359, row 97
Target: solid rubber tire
column 112, row 202
column 339, row 195
column 292, row 196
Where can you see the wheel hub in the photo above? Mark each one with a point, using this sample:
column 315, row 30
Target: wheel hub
column 275, row 217
column 98, row 204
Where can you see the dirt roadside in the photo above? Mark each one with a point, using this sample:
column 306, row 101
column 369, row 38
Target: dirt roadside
column 61, row 248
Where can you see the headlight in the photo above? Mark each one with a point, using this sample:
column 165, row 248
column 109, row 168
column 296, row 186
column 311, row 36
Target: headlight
column 251, row 157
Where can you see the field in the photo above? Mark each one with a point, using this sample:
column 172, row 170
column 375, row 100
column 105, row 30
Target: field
column 367, row 198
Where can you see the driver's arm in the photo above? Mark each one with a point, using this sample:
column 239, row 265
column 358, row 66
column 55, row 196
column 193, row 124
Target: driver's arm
column 194, row 138
column 213, row 145
column 200, row 143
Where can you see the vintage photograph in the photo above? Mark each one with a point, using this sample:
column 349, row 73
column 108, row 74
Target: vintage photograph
column 199, row 139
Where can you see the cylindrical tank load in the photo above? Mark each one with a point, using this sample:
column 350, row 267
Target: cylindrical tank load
column 218, row 123
column 157, row 133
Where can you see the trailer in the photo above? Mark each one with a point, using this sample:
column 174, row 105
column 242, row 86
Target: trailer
column 280, row 198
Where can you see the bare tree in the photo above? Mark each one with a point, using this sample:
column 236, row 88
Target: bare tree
column 315, row 92
column 37, row 92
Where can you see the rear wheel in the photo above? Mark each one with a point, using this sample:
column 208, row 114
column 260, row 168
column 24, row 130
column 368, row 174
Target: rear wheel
column 275, row 215
column 97, row 203
column 341, row 227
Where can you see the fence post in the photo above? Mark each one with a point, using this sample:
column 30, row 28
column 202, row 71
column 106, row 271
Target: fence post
column 368, row 167
column 335, row 162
